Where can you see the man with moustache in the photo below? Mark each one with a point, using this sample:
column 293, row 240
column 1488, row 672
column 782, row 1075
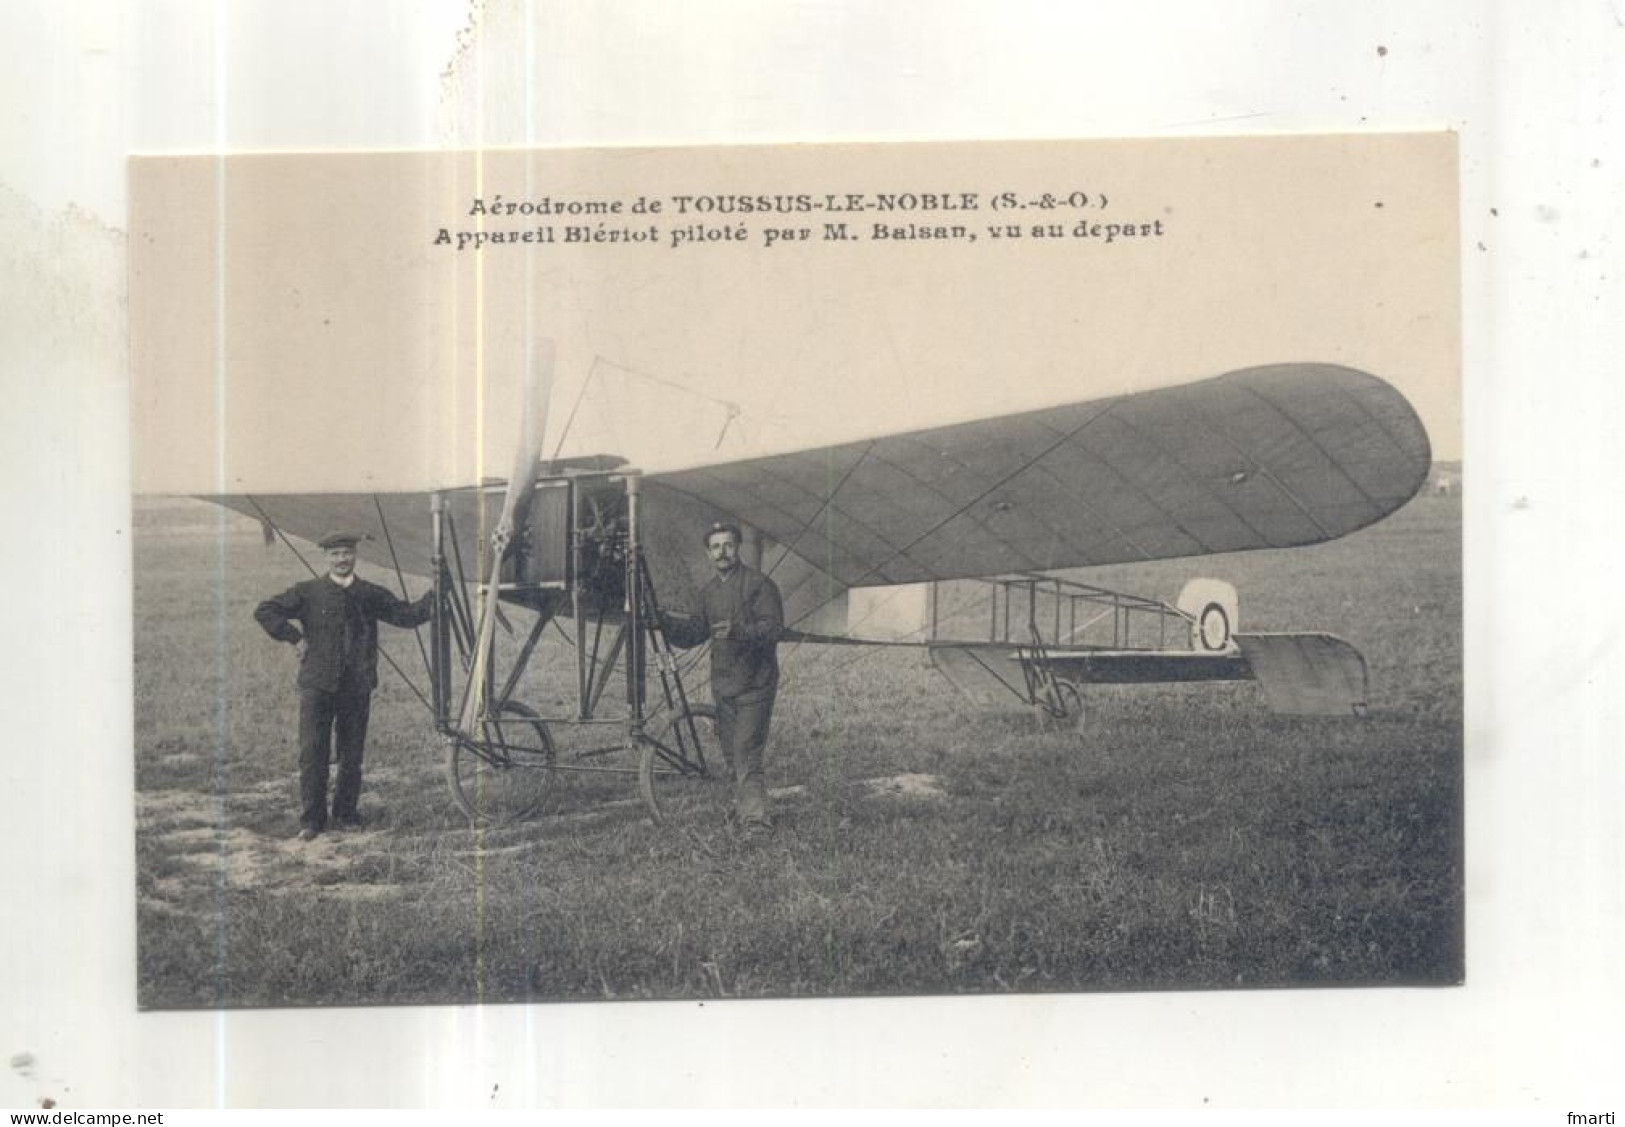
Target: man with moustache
column 338, row 670
column 742, row 615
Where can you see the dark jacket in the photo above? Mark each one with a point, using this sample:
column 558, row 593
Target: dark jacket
column 340, row 628
column 746, row 660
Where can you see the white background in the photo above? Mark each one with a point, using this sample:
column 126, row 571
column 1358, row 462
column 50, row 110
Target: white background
column 1534, row 89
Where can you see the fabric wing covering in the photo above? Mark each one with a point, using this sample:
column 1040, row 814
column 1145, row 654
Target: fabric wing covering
column 1269, row 457
column 398, row 521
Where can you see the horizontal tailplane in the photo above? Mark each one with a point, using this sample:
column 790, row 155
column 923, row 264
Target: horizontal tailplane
column 1307, row 674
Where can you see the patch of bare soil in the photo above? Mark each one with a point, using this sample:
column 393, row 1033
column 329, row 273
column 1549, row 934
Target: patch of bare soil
column 924, row 788
column 204, row 855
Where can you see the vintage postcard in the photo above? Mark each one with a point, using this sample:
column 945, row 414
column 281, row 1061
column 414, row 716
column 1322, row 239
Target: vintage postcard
column 793, row 571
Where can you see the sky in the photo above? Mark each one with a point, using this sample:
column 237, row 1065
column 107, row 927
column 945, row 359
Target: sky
column 307, row 322
column 190, row 76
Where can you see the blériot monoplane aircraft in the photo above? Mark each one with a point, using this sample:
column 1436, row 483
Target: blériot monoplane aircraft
column 1268, row 457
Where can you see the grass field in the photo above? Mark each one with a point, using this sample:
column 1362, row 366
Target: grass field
column 1182, row 836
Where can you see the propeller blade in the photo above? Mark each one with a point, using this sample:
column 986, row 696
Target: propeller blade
column 535, row 396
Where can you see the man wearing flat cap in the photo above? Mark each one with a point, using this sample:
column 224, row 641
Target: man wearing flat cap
column 338, row 670
column 742, row 616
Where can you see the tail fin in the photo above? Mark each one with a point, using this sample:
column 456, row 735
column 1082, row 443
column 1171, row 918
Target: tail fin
column 1215, row 613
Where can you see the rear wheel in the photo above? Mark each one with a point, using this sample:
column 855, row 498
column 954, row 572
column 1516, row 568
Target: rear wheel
column 1072, row 699
column 1061, row 706
column 507, row 775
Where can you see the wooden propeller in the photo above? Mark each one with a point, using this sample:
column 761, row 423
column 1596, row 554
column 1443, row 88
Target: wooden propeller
column 536, row 393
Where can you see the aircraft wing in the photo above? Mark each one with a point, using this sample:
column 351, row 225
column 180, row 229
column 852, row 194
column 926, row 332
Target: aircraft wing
column 1268, row 457
column 393, row 520
column 400, row 524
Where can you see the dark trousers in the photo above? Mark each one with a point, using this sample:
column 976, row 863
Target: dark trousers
column 324, row 717
column 742, row 724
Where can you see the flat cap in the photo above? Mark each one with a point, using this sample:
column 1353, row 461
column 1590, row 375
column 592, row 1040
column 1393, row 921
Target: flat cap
column 340, row 538
column 717, row 526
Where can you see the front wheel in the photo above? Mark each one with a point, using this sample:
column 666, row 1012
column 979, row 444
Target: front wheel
column 678, row 756
column 508, row 774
